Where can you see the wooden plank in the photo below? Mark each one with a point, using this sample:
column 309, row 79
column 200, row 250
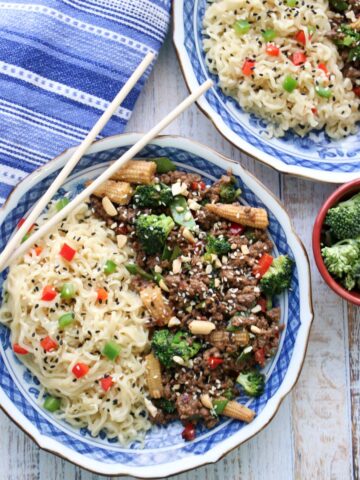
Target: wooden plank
column 18, row 453
column 320, row 403
column 354, row 377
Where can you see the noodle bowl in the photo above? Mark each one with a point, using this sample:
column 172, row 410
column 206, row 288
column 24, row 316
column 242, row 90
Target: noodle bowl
column 120, row 410
column 322, row 98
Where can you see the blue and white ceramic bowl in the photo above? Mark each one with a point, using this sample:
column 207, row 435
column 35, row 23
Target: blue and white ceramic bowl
column 315, row 156
column 164, row 452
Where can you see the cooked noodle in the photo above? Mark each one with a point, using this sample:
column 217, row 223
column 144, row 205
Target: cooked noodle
column 262, row 93
column 121, row 409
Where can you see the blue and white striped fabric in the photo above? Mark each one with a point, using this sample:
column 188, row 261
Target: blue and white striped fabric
column 61, row 62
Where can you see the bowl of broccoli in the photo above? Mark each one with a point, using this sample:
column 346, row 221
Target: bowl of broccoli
column 336, row 241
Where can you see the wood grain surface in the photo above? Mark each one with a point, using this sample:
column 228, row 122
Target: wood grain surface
column 316, row 432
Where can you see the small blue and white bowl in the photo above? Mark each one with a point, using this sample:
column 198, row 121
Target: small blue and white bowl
column 314, row 156
column 164, row 453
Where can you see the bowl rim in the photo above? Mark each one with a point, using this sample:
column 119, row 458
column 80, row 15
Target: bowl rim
column 298, row 355
column 191, row 82
column 334, row 198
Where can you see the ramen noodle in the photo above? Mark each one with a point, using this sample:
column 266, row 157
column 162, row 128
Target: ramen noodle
column 273, row 57
column 92, row 317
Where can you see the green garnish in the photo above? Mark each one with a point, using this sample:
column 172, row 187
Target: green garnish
column 109, row 267
column 289, row 84
column 66, row 319
column 60, row 204
column 67, row 291
column 242, row 27
column 52, row 404
column 111, row 350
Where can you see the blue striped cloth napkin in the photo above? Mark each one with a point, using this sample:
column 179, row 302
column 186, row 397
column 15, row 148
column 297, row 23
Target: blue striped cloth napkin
column 61, row 63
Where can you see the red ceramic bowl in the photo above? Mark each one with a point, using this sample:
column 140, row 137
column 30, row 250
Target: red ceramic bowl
column 342, row 193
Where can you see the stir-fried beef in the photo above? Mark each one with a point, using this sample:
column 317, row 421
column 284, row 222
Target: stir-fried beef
column 204, row 285
column 345, row 23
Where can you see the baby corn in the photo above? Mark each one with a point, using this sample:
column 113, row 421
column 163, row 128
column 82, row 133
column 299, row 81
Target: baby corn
column 248, row 216
column 153, row 376
column 117, row 192
column 156, row 305
column 239, row 412
column 136, row 171
column 221, row 338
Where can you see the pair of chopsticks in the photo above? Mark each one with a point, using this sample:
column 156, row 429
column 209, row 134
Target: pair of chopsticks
column 12, row 251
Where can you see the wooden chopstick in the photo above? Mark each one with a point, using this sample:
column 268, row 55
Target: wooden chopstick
column 74, row 159
column 128, row 155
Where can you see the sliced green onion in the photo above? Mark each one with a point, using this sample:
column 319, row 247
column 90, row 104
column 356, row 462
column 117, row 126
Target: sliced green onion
column 110, row 267
column 136, row 270
column 25, row 237
column 289, row 83
column 175, row 253
column 163, row 164
column 241, row 27
column 111, row 350
column 269, row 35
column 291, row 3
column 52, row 404
column 323, row 92
column 66, row 319
column 67, row 291
column 60, row 204
column 219, row 406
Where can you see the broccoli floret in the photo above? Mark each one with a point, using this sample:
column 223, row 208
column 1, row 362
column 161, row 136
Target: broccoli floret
column 252, row 382
column 342, row 261
column 339, row 5
column 229, row 191
column 166, row 346
column 217, row 245
column 344, row 219
column 153, row 196
column 152, row 232
column 278, row 277
column 166, row 405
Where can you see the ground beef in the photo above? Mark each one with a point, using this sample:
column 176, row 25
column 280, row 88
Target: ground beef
column 222, row 289
column 338, row 20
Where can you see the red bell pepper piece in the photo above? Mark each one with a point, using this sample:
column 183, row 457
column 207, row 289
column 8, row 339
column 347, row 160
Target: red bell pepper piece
column 106, row 383
column 198, row 186
column 38, row 250
column 314, row 111
column 248, row 67
column 356, row 90
column 80, row 369
column 263, row 265
column 189, row 432
column 214, row 362
column 102, row 294
column 322, row 67
column 48, row 293
column 236, row 229
column 260, row 357
column 22, row 221
column 272, row 50
column 48, row 344
column 20, row 350
column 67, row 252
column 300, row 37
column 298, row 58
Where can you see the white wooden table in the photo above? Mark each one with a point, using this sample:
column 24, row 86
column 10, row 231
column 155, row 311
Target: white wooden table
column 316, row 432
